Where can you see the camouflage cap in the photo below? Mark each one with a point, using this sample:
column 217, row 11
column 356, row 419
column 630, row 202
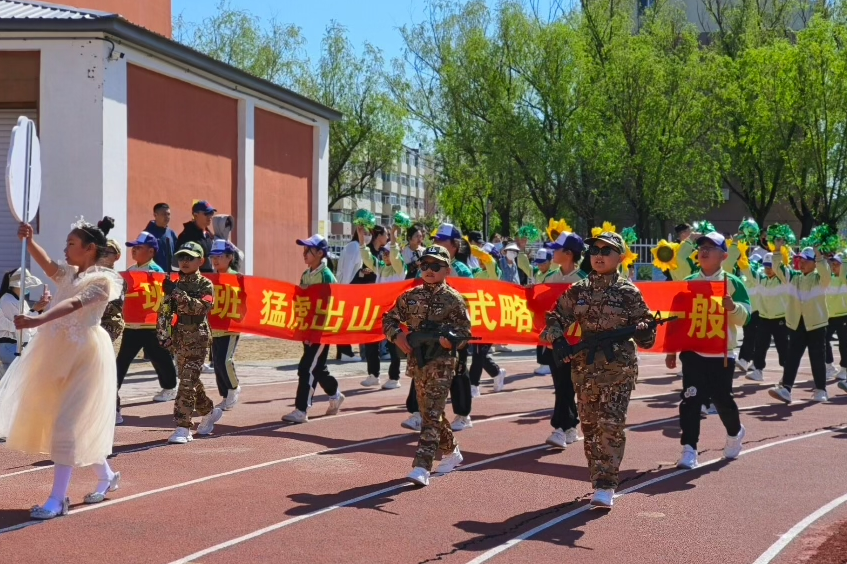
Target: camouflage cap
column 609, row 237
column 438, row 253
column 191, row 249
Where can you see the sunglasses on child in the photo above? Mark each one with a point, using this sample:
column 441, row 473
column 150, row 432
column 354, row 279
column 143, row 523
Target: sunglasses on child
column 602, row 251
column 433, row 266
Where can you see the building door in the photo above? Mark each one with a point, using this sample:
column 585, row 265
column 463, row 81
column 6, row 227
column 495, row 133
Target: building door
column 10, row 247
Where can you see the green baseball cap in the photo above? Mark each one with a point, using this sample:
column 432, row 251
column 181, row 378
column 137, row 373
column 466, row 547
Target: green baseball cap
column 191, row 249
column 438, row 253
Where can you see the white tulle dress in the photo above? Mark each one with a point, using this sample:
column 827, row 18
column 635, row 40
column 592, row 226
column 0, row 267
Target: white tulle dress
column 58, row 397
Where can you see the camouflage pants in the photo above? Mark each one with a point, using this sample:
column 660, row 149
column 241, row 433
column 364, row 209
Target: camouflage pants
column 602, row 410
column 191, row 347
column 432, row 384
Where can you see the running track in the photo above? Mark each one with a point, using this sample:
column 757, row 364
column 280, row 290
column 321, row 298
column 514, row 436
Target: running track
column 333, row 490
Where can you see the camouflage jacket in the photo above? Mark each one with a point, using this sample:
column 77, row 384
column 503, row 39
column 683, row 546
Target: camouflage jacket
column 113, row 317
column 599, row 304
column 429, row 302
column 194, row 295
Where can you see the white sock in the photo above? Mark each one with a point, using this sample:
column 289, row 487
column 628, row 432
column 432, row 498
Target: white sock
column 104, row 476
column 61, row 484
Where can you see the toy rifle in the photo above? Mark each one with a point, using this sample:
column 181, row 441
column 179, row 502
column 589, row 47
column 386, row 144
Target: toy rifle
column 165, row 319
column 563, row 351
column 425, row 341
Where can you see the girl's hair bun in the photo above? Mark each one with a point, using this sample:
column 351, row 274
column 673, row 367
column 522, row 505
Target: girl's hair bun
column 106, row 224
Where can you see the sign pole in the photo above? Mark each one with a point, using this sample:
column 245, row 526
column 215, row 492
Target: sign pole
column 27, row 178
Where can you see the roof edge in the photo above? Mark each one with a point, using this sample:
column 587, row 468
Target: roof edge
column 118, row 27
column 64, row 8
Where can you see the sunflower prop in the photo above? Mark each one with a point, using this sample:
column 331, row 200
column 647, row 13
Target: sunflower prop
column 628, row 258
column 530, row 233
column 704, row 227
column 749, row 231
column 364, row 218
column 481, row 255
column 556, row 228
column 606, row 228
column 664, row 255
column 824, row 238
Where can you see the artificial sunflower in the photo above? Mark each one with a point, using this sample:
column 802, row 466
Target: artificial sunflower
column 665, row 255
column 606, row 228
column 629, row 258
column 556, row 228
column 481, row 255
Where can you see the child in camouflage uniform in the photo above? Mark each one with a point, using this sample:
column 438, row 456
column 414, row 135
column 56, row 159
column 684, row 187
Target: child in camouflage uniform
column 190, row 298
column 437, row 302
column 113, row 317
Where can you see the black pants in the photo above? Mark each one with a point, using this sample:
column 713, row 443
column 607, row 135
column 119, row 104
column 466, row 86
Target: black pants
column 372, row 358
column 798, row 340
column 460, row 390
column 544, row 356
column 770, row 328
column 748, row 345
column 346, row 350
column 706, row 375
column 565, row 415
column 394, row 367
column 312, row 371
column 135, row 340
column 837, row 326
column 223, row 350
column 481, row 360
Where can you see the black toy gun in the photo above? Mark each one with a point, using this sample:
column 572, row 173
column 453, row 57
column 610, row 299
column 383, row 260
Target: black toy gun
column 425, row 341
column 564, row 351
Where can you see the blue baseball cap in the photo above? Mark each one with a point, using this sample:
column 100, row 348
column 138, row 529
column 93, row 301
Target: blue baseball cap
column 448, row 232
column 808, row 254
column 222, row 247
column 569, row 242
column 202, row 206
column 144, row 239
column 837, row 257
column 542, row 256
column 314, row 242
column 714, row 238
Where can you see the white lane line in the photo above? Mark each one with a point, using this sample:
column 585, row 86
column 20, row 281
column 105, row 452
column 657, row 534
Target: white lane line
column 294, row 520
column 796, row 530
column 486, row 556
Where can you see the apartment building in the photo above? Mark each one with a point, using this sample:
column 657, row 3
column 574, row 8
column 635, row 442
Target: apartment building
column 401, row 189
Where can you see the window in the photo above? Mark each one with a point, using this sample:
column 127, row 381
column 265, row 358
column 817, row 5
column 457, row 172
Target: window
column 386, row 199
column 404, row 180
column 393, row 199
column 336, row 217
column 393, row 177
column 375, row 196
column 403, row 200
column 416, row 159
column 347, row 216
column 413, row 182
column 421, row 183
column 383, row 220
column 408, row 158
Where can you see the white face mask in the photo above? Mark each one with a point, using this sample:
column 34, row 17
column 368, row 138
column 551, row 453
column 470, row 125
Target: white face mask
column 367, row 239
column 511, row 255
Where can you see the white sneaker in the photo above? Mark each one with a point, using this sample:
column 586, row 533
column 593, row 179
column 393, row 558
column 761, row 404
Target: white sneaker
column 704, row 410
column 419, row 476
column 296, row 416
column 571, row 436
column 391, row 385
column 502, row 349
column 742, row 364
column 118, row 418
column 819, row 395
column 603, row 499
column 781, row 393
column 475, row 392
column 370, row 381
column 557, row 439
column 345, row 358
column 756, row 375
column 335, row 403
column 543, row 370
column 733, row 444
column 500, row 381
column 208, row 422
column 831, row 371
column 842, row 375
column 842, row 386
column 165, row 395
column 181, row 436
column 207, row 369
column 449, row 462
column 460, row 423
column 711, row 410
column 688, row 459
column 231, row 399
column 413, row 422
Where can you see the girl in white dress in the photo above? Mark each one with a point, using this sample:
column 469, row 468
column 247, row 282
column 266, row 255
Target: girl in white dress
column 58, row 399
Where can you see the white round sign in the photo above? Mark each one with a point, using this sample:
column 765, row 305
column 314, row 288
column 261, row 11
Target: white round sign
column 23, row 171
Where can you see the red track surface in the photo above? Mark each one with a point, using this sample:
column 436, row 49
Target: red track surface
column 333, row 490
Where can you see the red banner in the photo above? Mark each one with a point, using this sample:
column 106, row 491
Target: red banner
column 500, row 313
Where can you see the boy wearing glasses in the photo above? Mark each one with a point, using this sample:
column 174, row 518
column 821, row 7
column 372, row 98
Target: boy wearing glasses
column 437, row 302
column 604, row 301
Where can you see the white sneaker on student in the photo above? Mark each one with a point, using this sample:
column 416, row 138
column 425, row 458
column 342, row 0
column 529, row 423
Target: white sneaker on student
column 732, row 448
column 419, row 476
column 207, row 424
column 831, row 371
column 756, row 375
column 557, row 439
column 820, row 395
column 460, row 423
column 688, row 459
column 165, row 395
column 449, row 462
column 335, row 403
column 231, row 399
column 475, row 392
column 571, row 435
column 391, row 384
column 413, row 422
column 603, row 498
column 742, row 364
column 842, row 375
column 296, row 416
column 543, row 370
column 500, row 381
column 781, row 393
column 208, row 369
column 181, row 436
column 370, row 381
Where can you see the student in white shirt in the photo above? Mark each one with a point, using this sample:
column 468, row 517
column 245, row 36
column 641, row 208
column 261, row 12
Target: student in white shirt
column 10, row 293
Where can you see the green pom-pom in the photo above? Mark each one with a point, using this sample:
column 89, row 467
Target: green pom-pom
column 749, row 231
column 364, row 218
column 824, row 238
column 403, row 220
column 704, row 227
column 783, row 232
column 629, row 236
column 529, row 232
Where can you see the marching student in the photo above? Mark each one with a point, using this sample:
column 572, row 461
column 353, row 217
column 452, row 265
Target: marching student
column 14, row 289
column 413, row 250
column 366, row 275
column 312, row 369
column 706, row 374
column 480, row 352
column 65, row 409
column 806, row 317
column 390, row 267
column 139, row 337
column 544, row 269
column 769, row 297
column 223, row 255
column 836, row 305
